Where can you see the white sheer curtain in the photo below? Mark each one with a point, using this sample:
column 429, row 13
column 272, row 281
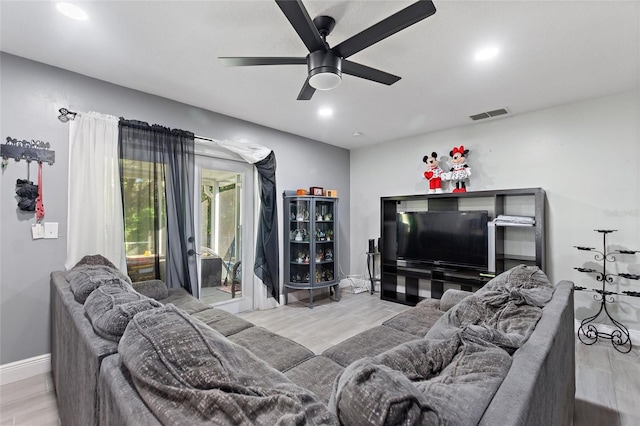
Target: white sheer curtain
column 95, row 223
column 251, row 152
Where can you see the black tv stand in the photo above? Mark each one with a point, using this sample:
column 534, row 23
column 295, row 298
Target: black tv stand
column 437, row 283
column 467, row 280
column 396, row 273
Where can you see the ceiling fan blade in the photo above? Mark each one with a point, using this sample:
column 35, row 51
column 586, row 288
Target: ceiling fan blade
column 297, row 15
column 249, row 61
column 306, row 92
column 368, row 73
column 385, row 28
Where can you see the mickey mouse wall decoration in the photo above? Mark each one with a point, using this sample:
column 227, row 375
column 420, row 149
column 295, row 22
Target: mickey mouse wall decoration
column 460, row 171
column 434, row 173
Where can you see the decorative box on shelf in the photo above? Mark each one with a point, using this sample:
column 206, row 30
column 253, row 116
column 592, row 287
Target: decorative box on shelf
column 316, row 190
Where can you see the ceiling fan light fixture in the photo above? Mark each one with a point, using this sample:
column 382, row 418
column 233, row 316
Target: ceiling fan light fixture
column 325, row 80
column 325, row 70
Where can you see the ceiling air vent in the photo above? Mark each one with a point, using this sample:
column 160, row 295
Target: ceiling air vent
column 488, row 114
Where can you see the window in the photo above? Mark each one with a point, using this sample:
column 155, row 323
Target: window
column 144, row 207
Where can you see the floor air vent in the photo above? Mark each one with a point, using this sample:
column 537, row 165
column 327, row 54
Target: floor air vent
column 488, row 114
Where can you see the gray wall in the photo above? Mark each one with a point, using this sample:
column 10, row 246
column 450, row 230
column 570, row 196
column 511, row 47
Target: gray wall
column 31, row 95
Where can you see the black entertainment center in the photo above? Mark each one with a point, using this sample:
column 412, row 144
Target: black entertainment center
column 453, row 238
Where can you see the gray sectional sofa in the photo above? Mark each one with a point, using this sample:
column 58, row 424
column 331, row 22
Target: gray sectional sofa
column 143, row 354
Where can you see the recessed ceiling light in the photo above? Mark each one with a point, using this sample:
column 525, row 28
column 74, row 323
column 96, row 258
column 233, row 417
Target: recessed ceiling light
column 487, row 53
column 325, row 112
column 72, row 11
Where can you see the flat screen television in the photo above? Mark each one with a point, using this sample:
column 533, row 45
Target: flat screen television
column 458, row 239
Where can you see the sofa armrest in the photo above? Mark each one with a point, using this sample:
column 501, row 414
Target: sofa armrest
column 429, row 303
column 155, row 289
column 451, row 297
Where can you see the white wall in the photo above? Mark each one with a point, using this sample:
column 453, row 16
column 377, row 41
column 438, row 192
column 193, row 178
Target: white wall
column 586, row 156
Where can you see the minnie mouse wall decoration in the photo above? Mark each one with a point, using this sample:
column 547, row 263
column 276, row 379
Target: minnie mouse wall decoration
column 434, row 173
column 459, row 168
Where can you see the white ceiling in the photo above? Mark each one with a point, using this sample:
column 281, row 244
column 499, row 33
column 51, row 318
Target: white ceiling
column 551, row 53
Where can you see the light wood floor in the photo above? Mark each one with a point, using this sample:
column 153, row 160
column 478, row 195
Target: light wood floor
column 607, row 382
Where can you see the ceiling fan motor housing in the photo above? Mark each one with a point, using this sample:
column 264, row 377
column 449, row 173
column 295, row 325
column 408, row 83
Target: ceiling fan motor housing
column 325, row 69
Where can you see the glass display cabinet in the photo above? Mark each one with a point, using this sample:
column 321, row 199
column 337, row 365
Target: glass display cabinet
column 310, row 245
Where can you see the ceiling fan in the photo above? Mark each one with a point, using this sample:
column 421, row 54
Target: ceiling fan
column 326, row 64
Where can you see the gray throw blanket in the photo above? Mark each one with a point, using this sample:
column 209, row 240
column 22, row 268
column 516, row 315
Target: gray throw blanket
column 510, row 305
column 423, row 382
column 189, row 374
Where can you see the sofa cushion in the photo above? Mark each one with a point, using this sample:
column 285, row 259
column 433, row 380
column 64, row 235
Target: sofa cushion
column 316, row 374
column 452, row 297
column 366, row 344
column 155, row 289
column 222, row 321
column 416, row 321
column 447, row 382
column 110, row 308
column 85, row 279
column 189, row 374
column 181, row 299
column 279, row 352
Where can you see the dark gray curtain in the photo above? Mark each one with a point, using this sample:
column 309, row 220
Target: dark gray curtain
column 266, row 266
column 170, row 194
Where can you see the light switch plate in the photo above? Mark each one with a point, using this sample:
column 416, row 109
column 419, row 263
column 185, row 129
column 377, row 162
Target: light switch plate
column 37, row 231
column 51, row 229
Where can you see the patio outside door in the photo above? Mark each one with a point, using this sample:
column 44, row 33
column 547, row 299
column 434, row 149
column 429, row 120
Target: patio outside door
column 225, row 233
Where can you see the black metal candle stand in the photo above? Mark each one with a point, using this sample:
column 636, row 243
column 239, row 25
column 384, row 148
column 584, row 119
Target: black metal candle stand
column 588, row 333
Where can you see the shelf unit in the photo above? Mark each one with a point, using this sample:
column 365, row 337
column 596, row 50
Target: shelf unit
column 311, row 247
column 514, row 244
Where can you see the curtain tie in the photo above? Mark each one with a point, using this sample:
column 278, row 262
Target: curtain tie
column 39, row 203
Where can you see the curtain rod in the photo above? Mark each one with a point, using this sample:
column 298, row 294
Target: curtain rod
column 204, row 138
column 213, row 141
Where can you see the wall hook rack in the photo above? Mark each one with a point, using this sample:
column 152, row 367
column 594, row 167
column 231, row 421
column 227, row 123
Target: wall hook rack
column 66, row 115
column 34, row 150
column 588, row 333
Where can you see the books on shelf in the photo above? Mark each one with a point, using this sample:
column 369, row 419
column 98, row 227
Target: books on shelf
column 505, row 220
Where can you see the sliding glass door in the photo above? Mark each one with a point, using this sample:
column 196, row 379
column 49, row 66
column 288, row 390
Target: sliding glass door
column 224, row 227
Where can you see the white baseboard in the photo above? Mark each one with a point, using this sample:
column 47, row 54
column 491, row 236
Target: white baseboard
column 25, row 368
column 633, row 334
